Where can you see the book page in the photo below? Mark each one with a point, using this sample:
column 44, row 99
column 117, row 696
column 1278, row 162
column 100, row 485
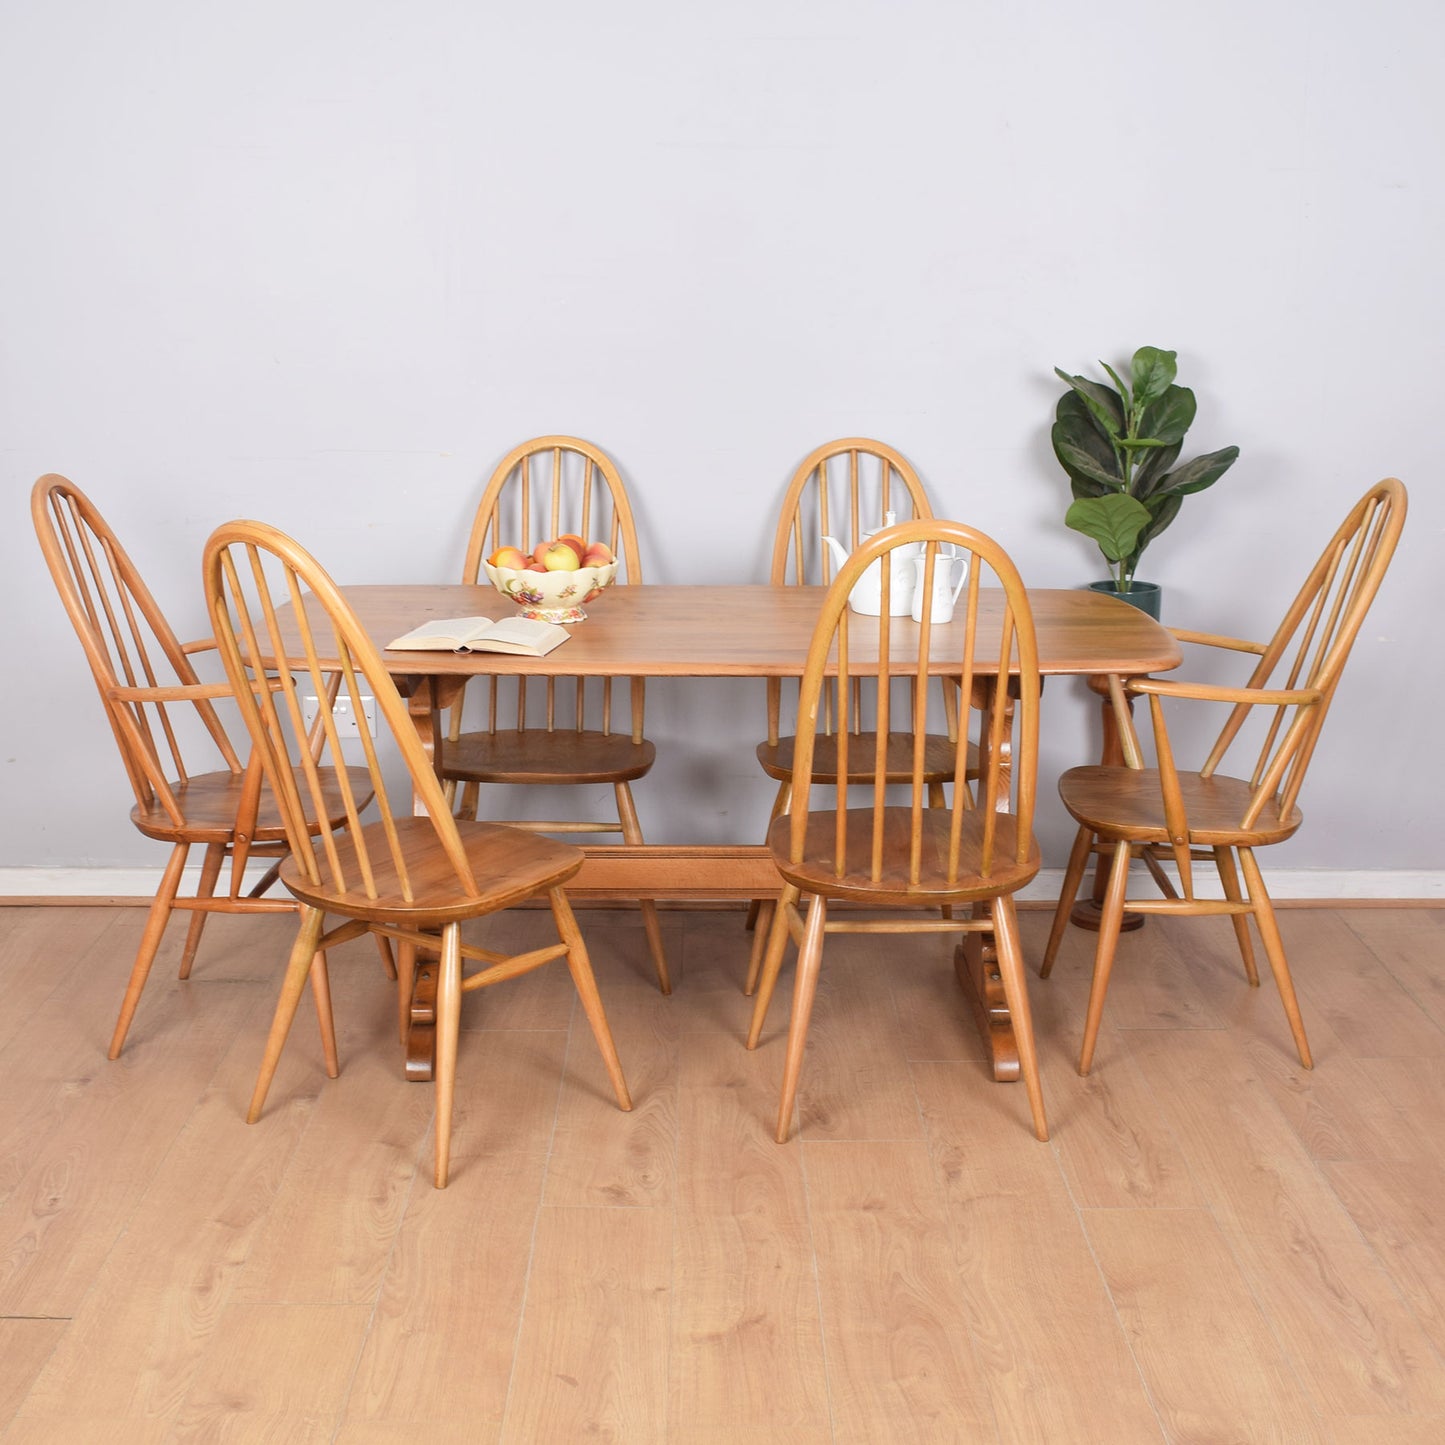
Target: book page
column 443, row 634
column 518, row 634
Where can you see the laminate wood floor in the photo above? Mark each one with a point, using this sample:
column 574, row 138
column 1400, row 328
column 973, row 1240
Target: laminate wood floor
column 1215, row 1246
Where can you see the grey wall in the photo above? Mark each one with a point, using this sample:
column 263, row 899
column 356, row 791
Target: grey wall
column 323, row 263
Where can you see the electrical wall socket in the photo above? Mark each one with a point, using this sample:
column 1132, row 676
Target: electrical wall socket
column 348, row 724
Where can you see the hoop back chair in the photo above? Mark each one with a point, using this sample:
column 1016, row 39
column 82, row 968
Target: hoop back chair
column 147, row 684
column 842, row 489
column 557, row 731
column 1169, row 813
column 977, row 850
column 411, row 879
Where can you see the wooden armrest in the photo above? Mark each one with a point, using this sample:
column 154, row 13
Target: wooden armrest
column 176, row 692
column 203, row 644
column 1213, row 639
column 1211, row 692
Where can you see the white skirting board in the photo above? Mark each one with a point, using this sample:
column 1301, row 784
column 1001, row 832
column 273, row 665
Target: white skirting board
column 1284, row 883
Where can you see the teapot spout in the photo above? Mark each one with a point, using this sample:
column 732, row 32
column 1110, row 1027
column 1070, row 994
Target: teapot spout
column 840, row 556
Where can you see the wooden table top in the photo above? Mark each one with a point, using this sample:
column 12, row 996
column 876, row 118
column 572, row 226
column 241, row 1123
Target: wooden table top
column 746, row 631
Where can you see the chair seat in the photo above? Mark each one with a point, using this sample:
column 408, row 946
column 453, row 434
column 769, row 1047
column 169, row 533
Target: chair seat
column 209, row 803
column 560, row 756
column 777, row 759
column 817, row 875
column 1126, row 803
column 509, row 865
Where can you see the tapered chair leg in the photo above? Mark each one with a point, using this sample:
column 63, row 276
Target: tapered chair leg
column 580, row 966
column 1229, row 881
column 321, row 994
column 1009, row 953
column 1274, row 951
column 156, row 919
column 206, row 888
column 763, row 927
column 632, row 833
column 293, row 981
column 1110, row 923
column 805, row 990
column 772, row 962
column 449, row 1022
column 1073, row 876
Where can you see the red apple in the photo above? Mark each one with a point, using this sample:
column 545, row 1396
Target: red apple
column 598, row 554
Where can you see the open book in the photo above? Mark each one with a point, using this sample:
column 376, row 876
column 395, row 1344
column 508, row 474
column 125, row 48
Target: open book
column 480, row 634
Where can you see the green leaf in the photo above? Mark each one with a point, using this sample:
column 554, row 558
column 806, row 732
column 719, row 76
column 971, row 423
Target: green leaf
column 1162, row 509
column 1085, row 455
column 1149, row 471
column 1169, row 416
column 1201, row 472
column 1153, row 372
column 1119, row 385
column 1114, row 522
column 1104, row 405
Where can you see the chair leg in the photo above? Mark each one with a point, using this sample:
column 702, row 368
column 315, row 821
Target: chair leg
column 388, row 959
column 580, row 966
column 632, row 833
column 471, row 801
column 1229, row 881
column 1073, row 876
column 805, row 990
column 759, row 912
column 156, row 920
column 766, row 909
column 772, row 962
column 449, row 1022
column 1010, row 957
column 321, row 993
column 1274, row 951
column 210, row 871
column 1109, row 926
column 298, row 969
column 405, row 985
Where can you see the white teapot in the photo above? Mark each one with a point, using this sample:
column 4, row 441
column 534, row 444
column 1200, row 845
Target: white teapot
column 945, row 590
column 866, row 595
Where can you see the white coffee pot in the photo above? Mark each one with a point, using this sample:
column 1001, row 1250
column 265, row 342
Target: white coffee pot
column 866, row 594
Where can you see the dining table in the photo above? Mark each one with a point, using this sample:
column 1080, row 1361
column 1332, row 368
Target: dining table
column 743, row 631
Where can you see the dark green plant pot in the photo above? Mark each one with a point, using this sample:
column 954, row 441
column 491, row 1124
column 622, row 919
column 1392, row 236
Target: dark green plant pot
column 1143, row 595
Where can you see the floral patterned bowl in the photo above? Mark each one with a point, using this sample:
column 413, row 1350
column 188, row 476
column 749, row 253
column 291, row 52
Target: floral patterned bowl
column 551, row 596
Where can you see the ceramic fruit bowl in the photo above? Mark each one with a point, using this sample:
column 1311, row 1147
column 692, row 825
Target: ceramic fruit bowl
column 551, row 596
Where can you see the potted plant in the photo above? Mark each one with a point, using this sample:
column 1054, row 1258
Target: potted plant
column 1119, row 446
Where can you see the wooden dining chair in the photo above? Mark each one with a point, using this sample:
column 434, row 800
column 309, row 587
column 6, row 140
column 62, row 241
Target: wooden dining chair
column 842, row 489
column 903, row 857
column 412, row 879
column 557, row 731
column 1166, row 813
column 147, row 685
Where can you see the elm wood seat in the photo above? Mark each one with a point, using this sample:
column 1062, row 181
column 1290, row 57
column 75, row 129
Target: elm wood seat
column 147, row 682
column 1169, row 813
column 411, row 880
column 976, row 850
column 842, row 489
column 556, row 732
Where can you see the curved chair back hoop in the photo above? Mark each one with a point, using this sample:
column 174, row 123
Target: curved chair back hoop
column 140, row 667
column 548, row 486
column 541, row 489
column 1312, row 644
column 990, row 637
column 840, row 489
column 251, row 571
